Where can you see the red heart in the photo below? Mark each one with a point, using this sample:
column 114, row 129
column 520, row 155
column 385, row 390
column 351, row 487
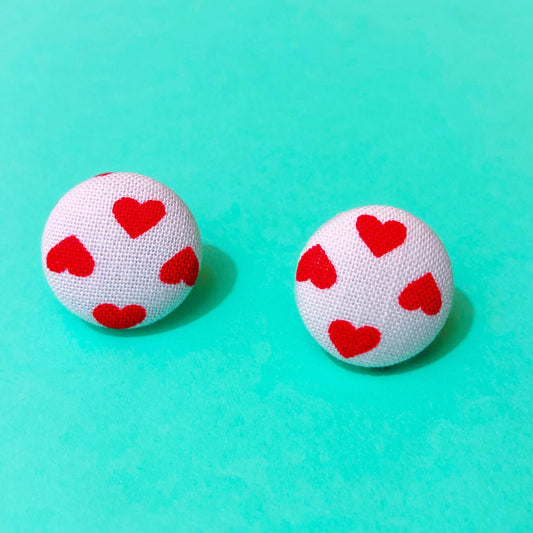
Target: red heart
column 111, row 316
column 315, row 266
column 422, row 293
column 183, row 266
column 351, row 341
column 381, row 238
column 71, row 255
column 137, row 218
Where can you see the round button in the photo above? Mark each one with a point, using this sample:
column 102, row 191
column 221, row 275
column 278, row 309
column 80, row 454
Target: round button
column 374, row 286
column 121, row 250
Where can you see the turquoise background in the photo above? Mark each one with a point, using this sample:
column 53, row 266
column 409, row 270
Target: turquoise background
column 268, row 118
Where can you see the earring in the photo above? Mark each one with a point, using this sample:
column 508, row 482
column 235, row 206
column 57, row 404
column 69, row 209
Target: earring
column 121, row 250
column 374, row 286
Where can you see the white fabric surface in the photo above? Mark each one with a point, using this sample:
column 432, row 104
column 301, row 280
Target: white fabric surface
column 127, row 270
column 367, row 289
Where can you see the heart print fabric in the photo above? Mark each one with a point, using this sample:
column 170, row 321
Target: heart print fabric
column 374, row 286
column 121, row 250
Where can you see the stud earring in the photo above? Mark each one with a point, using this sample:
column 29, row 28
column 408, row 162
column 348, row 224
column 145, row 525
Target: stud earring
column 374, row 286
column 121, row 250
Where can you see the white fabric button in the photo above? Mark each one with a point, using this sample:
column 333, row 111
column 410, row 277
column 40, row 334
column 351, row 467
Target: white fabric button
column 121, row 250
column 374, row 286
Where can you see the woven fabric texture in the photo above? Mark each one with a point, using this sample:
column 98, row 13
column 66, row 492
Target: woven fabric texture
column 121, row 250
column 374, row 286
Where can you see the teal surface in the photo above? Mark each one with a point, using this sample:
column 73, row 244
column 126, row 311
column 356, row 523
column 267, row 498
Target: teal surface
column 268, row 118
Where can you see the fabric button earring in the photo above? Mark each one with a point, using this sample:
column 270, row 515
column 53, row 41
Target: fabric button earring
column 374, row 286
column 121, row 250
